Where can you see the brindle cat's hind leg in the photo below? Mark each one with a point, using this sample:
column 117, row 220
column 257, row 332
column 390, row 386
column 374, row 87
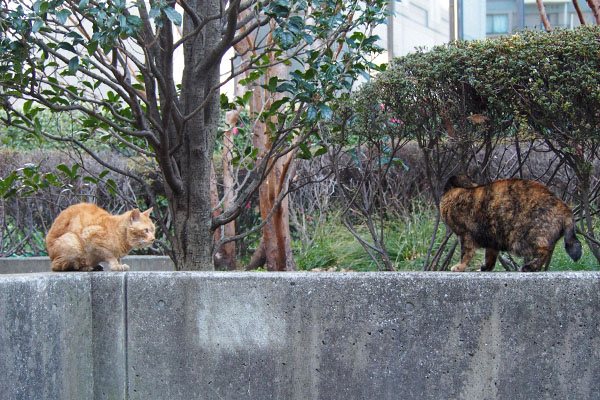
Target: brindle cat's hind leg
column 548, row 259
column 467, row 249
column 491, row 255
column 542, row 256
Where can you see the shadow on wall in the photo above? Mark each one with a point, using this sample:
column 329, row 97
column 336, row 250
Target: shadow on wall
column 192, row 335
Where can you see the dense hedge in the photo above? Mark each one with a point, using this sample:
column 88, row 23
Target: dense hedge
column 533, row 83
column 463, row 100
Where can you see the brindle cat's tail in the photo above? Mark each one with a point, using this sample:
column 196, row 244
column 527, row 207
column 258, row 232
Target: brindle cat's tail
column 572, row 244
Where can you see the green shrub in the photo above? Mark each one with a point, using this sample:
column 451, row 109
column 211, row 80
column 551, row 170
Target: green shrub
column 462, row 101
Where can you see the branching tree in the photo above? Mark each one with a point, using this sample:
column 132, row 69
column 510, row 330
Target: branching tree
column 146, row 76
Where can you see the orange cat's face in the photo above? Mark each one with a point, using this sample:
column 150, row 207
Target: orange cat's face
column 140, row 232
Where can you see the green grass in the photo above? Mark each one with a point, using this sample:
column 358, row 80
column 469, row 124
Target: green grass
column 335, row 247
column 407, row 240
column 562, row 262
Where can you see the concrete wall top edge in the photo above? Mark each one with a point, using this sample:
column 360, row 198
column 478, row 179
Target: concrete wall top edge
column 38, row 276
column 306, row 275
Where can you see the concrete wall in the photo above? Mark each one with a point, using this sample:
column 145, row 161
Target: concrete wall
column 21, row 265
column 171, row 335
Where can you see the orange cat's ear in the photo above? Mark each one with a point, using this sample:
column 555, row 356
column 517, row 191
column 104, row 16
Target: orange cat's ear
column 147, row 212
column 135, row 215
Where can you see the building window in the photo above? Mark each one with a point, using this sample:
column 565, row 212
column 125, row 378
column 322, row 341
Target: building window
column 496, row 24
column 419, row 14
column 552, row 17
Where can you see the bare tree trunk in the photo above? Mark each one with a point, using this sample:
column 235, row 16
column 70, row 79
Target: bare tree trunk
column 258, row 258
column 593, row 4
column 276, row 233
column 226, row 254
column 191, row 204
column 222, row 258
column 214, row 199
column 579, row 13
column 193, row 236
column 542, row 11
column 276, row 241
column 275, row 248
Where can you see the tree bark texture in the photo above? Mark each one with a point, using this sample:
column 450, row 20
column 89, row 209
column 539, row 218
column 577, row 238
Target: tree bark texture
column 579, row 12
column 593, row 4
column 258, row 258
column 226, row 254
column 222, row 259
column 543, row 16
column 191, row 207
column 276, row 240
column 276, row 233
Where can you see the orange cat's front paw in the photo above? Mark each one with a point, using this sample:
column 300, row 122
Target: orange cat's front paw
column 458, row 268
column 119, row 267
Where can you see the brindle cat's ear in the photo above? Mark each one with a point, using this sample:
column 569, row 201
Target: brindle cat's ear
column 147, row 212
column 459, row 181
column 135, row 215
column 464, row 181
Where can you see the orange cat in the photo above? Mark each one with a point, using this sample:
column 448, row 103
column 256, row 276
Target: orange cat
column 84, row 235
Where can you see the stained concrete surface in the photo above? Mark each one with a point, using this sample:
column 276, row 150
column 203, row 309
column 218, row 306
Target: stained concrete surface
column 23, row 265
column 176, row 335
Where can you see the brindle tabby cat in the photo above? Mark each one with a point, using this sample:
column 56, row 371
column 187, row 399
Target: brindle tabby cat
column 84, row 235
column 515, row 215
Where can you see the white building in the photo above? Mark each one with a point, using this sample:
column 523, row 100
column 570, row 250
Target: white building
column 417, row 23
column 426, row 23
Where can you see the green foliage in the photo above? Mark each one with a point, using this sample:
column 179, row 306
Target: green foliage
column 534, row 75
column 51, row 60
column 28, row 180
column 58, row 124
column 323, row 45
column 110, row 64
column 463, row 98
column 407, row 239
column 51, row 64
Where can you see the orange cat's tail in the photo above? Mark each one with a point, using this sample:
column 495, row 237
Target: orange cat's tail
column 61, row 263
column 66, row 253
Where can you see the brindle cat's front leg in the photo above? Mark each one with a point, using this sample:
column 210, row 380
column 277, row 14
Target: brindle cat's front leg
column 491, row 255
column 467, row 249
